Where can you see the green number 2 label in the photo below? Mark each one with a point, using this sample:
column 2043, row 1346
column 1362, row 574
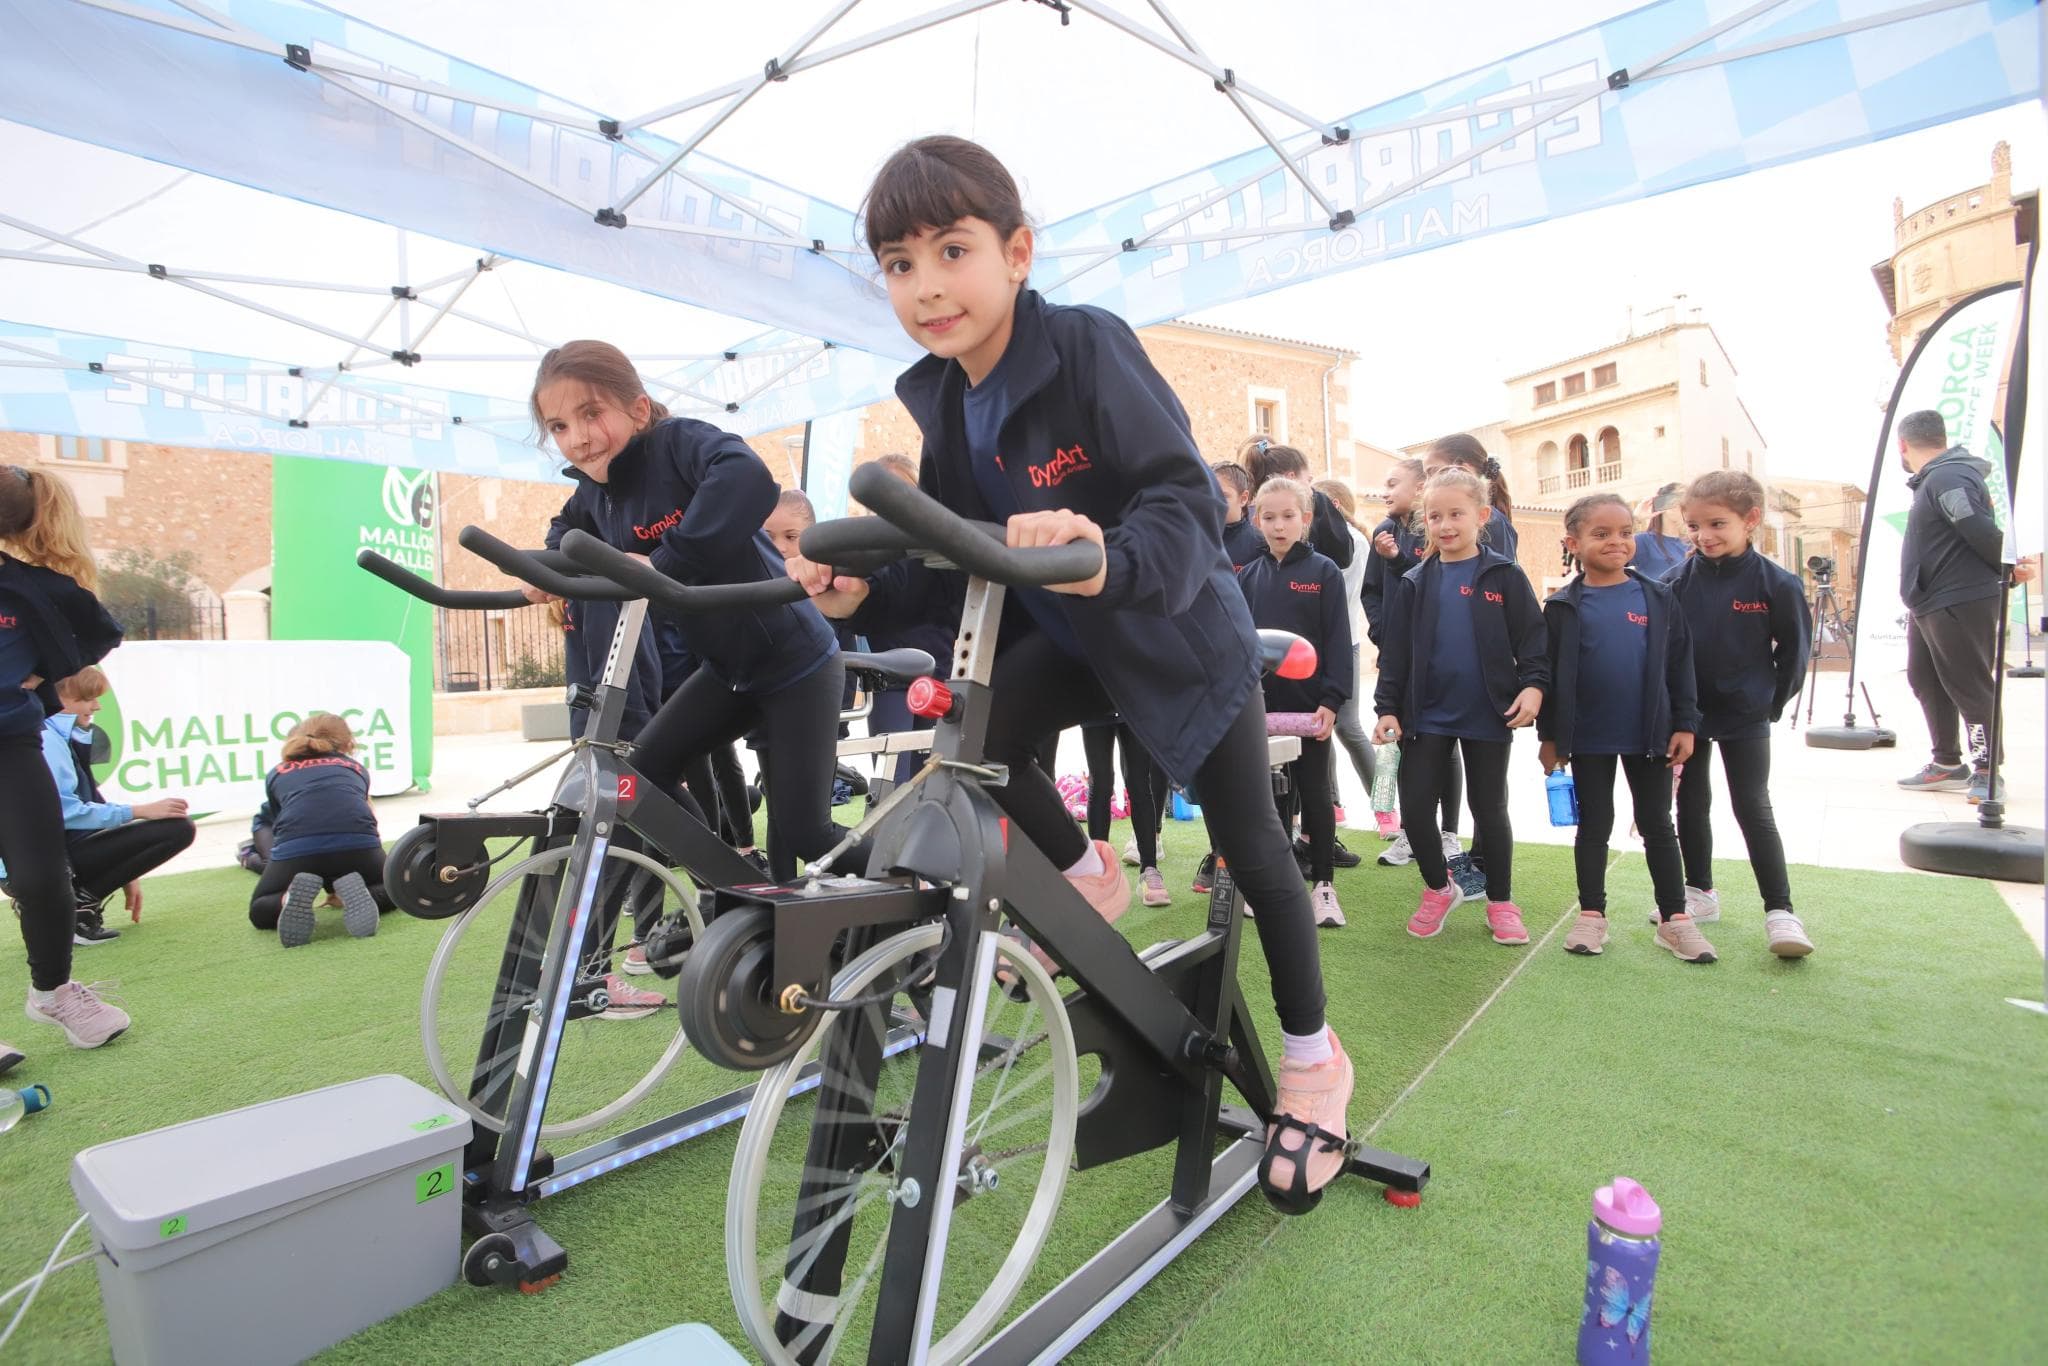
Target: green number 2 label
column 429, row 1184
column 438, row 1121
column 171, row 1227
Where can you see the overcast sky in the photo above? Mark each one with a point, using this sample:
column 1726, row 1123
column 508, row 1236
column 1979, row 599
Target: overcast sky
column 1779, row 262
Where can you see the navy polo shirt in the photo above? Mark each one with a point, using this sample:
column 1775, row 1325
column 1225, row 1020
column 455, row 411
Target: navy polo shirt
column 1614, row 636
column 1454, row 696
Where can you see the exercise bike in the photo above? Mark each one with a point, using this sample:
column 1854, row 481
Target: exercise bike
column 532, row 949
column 896, row 1212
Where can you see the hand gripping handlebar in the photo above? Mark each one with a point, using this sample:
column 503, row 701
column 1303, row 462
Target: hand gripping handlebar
column 910, row 522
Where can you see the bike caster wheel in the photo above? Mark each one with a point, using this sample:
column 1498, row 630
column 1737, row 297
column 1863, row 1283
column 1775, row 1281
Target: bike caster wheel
column 1402, row 1199
column 491, row 1260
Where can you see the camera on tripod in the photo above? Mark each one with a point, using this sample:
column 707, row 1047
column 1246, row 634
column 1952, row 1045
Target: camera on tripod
column 1822, row 567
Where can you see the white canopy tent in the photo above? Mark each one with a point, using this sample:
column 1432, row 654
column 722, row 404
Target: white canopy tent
column 280, row 225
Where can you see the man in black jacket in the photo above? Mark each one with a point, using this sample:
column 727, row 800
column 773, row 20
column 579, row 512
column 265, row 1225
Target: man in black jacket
column 1951, row 579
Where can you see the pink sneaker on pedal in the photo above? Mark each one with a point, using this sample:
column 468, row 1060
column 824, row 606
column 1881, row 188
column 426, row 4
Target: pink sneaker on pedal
column 628, row 1001
column 1108, row 891
column 1308, row 1114
column 1504, row 918
column 1428, row 920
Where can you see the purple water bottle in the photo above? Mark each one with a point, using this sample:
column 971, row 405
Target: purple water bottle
column 1621, row 1265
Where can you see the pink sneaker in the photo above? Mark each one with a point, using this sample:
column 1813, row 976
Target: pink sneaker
column 635, row 962
column 1308, row 1118
column 76, row 1008
column 628, row 1001
column 1389, row 824
column 1504, row 918
column 1108, row 891
column 1428, row 919
column 1339, row 812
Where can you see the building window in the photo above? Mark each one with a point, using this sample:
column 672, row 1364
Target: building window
column 1770, row 542
column 1549, row 477
column 1610, row 457
column 1658, row 431
column 1724, row 452
column 1578, row 463
column 1703, row 374
column 1268, row 415
column 86, row 449
column 1749, row 461
column 1603, row 376
column 1546, row 393
column 1575, row 384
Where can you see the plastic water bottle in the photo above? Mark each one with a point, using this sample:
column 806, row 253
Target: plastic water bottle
column 1621, row 1267
column 1386, row 777
column 1564, row 797
column 14, row 1104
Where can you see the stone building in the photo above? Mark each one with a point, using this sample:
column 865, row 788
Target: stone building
column 1966, row 241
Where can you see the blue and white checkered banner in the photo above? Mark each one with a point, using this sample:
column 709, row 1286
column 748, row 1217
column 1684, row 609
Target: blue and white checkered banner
column 1644, row 103
column 70, row 384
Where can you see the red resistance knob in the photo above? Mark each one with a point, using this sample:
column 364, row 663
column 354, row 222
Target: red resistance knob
column 929, row 698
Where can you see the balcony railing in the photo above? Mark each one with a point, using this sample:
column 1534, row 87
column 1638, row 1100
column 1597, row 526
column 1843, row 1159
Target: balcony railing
column 1608, row 473
column 1580, row 478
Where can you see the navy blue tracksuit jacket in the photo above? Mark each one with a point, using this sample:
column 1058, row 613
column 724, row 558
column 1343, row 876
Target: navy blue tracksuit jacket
column 1303, row 593
column 1669, row 700
column 1513, row 650
column 1750, row 636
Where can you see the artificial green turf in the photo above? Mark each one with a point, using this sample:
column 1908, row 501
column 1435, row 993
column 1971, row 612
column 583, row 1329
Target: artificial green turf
column 1801, row 1216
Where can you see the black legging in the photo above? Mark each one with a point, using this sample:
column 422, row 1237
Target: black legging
column 267, row 901
column 32, row 847
column 718, row 785
column 104, row 861
column 1649, row 785
column 801, row 722
column 1426, row 766
column 1748, row 765
column 1040, row 691
column 1142, row 781
column 1308, row 791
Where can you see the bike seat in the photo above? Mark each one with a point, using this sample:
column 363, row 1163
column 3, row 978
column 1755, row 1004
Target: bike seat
column 1286, row 654
column 891, row 666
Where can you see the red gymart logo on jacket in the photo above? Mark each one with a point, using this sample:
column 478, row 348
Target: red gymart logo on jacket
column 1304, row 587
column 654, row 533
column 1465, row 590
column 1638, row 619
column 1050, row 474
column 9, row 623
column 332, row 761
column 1742, row 606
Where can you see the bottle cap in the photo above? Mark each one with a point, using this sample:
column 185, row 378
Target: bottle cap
column 34, row 1098
column 1626, row 1207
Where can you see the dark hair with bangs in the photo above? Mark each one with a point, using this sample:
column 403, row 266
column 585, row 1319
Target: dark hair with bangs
column 933, row 183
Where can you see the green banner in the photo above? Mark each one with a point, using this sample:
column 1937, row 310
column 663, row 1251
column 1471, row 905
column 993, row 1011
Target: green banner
column 321, row 513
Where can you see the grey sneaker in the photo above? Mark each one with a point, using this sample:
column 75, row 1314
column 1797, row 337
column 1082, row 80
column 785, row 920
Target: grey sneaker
column 1131, row 852
column 1323, row 901
column 358, row 906
column 75, row 1008
column 1703, row 906
column 1979, row 789
column 1397, row 854
column 1451, row 846
column 295, row 921
column 1153, row 888
column 1937, row 778
column 1786, row 936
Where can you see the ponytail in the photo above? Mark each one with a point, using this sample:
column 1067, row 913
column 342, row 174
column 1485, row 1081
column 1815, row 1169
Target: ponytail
column 40, row 524
column 1462, row 448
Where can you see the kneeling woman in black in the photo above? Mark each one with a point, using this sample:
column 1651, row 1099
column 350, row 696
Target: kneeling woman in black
column 690, row 499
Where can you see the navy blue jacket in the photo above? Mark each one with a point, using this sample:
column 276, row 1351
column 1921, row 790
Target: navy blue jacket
column 692, row 498
column 1512, row 649
column 66, row 625
column 1669, row 701
column 1303, row 593
column 1242, row 541
column 317, row 805
column 1380, row 572
column 1750, row 634
column 1093, row 428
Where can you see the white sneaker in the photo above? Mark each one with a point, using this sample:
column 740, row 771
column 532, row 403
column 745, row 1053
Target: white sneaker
column 1703, row 907
column 1451, row 846
column 1323, row 901
column 1131, row 852
column 76, row 1008
column 1787, row 937
column 1397, row 854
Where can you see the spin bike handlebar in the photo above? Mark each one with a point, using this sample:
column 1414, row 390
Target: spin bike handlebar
column 909, row 521
column 459, row 599
column 548, row 570
column 643, row 580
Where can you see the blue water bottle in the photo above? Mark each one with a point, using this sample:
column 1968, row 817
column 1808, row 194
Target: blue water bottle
column 1621, row 1266
column 15, row 1104
column 1564, row 797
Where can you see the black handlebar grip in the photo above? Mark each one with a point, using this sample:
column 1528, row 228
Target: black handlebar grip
column 643, row 580
column 931, row 524
column 531, row 568
column 461, row 599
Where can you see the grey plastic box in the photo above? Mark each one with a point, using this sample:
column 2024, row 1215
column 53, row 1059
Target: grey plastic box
column 266, row 1234
column 686, row 1344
